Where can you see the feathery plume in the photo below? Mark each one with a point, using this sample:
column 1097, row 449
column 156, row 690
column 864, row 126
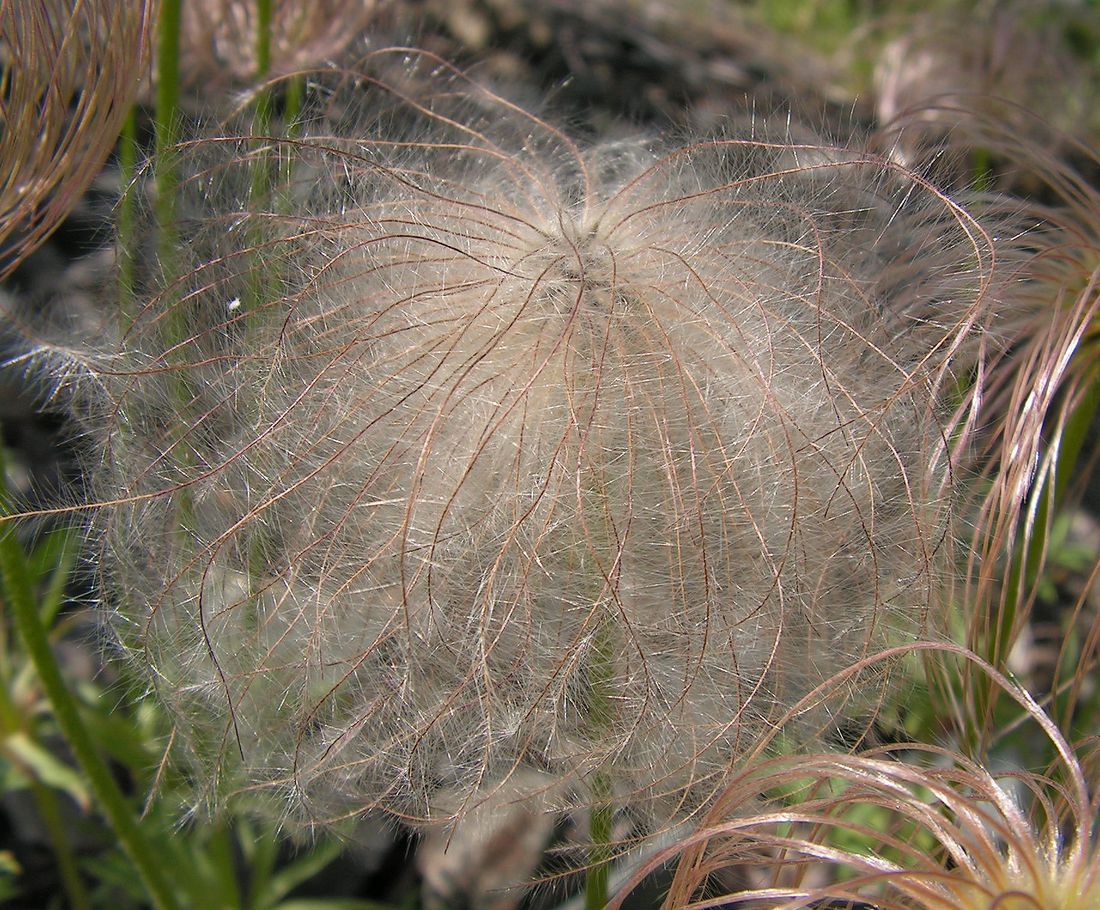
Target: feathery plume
column 218, row 37
column 949, row 66
column 482, row 449
column 1040, row 396
column 905, row 826
column 70, row 73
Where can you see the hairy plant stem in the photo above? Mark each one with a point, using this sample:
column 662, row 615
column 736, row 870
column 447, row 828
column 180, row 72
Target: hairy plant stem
column 166, row 183
column 599, row 687
column 601, row 668
column 127, row 234
column 15, row 580
column 263, row 37
column 165, row 130
column 264, row 168
column 599, row 824
column 13, row 722
column 262, row 177
column 50, row 815
column 295, row 96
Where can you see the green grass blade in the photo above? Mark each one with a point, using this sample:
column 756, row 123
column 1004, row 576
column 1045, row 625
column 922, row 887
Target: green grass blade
column 15, row 581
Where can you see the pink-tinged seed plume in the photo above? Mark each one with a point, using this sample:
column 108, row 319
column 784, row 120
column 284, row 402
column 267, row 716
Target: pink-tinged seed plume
column 476, row 448
column 70, row 74
column 904, row 827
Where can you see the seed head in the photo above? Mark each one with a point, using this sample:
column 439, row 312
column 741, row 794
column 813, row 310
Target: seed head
column 478, row 448
column 905, row 826
column 70, row 75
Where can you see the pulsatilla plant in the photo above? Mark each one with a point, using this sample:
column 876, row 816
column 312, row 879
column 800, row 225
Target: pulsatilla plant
column 66, row 90
column 906, row 826
column 452, row 447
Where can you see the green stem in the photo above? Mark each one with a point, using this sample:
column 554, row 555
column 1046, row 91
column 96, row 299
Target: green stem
column 601, row 669
column 263, row 37
column 220, row 852
column 165, row 128
column 50, row 815
column 13, row 574
column 127, row 164
column 295, row 95
column 11, row 722
column 261, row 123
column 166, row 180
column 982, row 169
column 600, row 820
column 264, row 169
column 15, row 581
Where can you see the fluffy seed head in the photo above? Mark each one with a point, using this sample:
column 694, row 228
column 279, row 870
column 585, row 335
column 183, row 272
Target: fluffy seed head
column 906, row 827
column 217, row 38
column 476, row 448
column 70, row 72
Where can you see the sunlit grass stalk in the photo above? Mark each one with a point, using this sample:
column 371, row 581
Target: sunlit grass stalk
column 1052, row 495
column 1070, row 424
column 15, row 579
column 1028, row 565
column 1041, row 398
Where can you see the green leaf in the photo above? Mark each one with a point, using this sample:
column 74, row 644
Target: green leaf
column 260, row 849
column 63, row 557
column 49, row 769
column 10, row 870
column 113, row 875
column 299, row 870
column 117, row 734
column 203, row 850
column 9, row 865
column 17, row 589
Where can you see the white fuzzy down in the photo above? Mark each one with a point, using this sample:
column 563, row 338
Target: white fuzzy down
column 508, row 425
